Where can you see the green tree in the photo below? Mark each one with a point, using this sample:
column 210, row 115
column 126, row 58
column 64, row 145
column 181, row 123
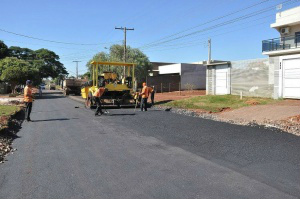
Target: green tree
column 16, row 71
column 47, row 62
column 3, row 50
column 22, row 53
column 116, row 53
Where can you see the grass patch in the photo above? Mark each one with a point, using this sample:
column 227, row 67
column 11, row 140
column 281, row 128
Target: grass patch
column 216, row 103
column 6, row 110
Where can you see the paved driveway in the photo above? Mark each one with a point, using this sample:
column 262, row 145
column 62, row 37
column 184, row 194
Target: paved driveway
column 69, row 153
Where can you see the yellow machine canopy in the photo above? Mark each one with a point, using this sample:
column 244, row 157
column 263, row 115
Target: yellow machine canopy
column 97, row 63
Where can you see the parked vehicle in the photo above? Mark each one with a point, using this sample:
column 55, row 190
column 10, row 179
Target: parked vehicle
column 73, row 86
column 52, row 87
column 43, row 87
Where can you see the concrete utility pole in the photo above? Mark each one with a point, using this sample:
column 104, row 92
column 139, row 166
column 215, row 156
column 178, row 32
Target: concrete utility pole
column 76, row 68
column 124, row 29
column 209, row 51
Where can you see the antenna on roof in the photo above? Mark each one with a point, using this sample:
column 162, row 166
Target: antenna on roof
column 279, row 7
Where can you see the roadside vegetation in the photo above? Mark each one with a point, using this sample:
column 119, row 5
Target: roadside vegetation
column 19, row 64
column 218, row 103
column 6, row 110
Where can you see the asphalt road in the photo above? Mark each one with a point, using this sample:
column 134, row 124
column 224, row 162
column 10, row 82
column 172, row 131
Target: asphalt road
column 67, row 152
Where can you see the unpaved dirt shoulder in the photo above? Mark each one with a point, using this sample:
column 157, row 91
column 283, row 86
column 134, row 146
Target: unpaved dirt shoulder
column 289, row 125
column 8, row 132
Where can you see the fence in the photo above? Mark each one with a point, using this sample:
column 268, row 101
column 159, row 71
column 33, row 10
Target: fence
column 166, row 87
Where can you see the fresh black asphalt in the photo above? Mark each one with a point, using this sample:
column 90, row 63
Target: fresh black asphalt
column 67, row 152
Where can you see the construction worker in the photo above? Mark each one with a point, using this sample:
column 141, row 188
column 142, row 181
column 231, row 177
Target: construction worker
column 144, row 94
column 151, row 93
column 28, row 99
column 97, row 96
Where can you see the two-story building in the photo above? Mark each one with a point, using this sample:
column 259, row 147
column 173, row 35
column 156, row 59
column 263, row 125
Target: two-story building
column 284, row 54
column 277, row 76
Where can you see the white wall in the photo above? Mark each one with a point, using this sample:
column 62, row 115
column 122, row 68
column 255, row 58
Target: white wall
column 170, row 69
column 287, row 18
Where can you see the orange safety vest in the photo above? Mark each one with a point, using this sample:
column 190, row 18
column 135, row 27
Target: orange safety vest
column 99, row 92
column 27, row 94
column 145, row 92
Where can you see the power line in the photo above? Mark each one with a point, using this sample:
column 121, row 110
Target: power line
column 52, row 41
column 215, row 26
column 197, row 40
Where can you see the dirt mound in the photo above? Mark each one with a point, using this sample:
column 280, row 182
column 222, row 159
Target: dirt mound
column 252, row 102
column 294, row 119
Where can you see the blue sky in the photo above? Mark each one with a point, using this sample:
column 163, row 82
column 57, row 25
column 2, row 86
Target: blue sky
column 93, row 22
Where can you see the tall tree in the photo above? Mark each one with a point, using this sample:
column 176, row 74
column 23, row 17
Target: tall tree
column 115, row 54
column 48, row 63
column 16, row 71
column 22, row 53
column 3, row 50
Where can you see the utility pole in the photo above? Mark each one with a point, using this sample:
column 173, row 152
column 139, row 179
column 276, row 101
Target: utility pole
column 209, row 51
column 76, row 68
column 124, row 58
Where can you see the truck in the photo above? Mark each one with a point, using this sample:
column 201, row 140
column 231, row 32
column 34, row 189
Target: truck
column 52, row 86
column 73, row 86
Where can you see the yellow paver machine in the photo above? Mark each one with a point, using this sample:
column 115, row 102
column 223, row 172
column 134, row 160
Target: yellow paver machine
column 119, row 91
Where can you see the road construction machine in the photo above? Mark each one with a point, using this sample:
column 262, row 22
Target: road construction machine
column 119, row 91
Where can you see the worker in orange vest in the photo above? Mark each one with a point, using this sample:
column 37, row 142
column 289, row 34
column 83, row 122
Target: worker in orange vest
column 144, row 94
column 28, row 99
column 97, row 96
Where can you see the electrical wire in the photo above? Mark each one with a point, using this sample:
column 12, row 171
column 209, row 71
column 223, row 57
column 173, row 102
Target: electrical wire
column 216, row 26
column 52, row 41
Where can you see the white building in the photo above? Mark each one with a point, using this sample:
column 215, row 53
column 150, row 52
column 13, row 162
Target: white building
column 277, row 76
column 284, row 53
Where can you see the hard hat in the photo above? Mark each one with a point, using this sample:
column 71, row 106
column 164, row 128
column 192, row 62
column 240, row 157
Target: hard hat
column 28, row 82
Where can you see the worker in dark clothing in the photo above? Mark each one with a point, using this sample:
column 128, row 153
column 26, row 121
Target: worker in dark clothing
column 151, row 93
column 28, row 99
column 144, row 94
column 97, row 97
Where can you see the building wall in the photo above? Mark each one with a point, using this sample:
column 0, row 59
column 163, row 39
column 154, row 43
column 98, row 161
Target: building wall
column 287, row 17
column 274, row 61
column 253, row 78
column 210, row 80
column 193, row 74
column 164, row 83
column 169, row 69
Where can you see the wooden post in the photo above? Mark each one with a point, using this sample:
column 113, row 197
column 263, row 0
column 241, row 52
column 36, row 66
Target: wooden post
column 161, row 87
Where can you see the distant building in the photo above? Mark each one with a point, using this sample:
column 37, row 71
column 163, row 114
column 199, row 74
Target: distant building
column 174, row 77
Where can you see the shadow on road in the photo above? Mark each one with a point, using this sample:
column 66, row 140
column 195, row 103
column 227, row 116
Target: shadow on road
column 163, row 102
column 58, row 119
column 120, row 114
